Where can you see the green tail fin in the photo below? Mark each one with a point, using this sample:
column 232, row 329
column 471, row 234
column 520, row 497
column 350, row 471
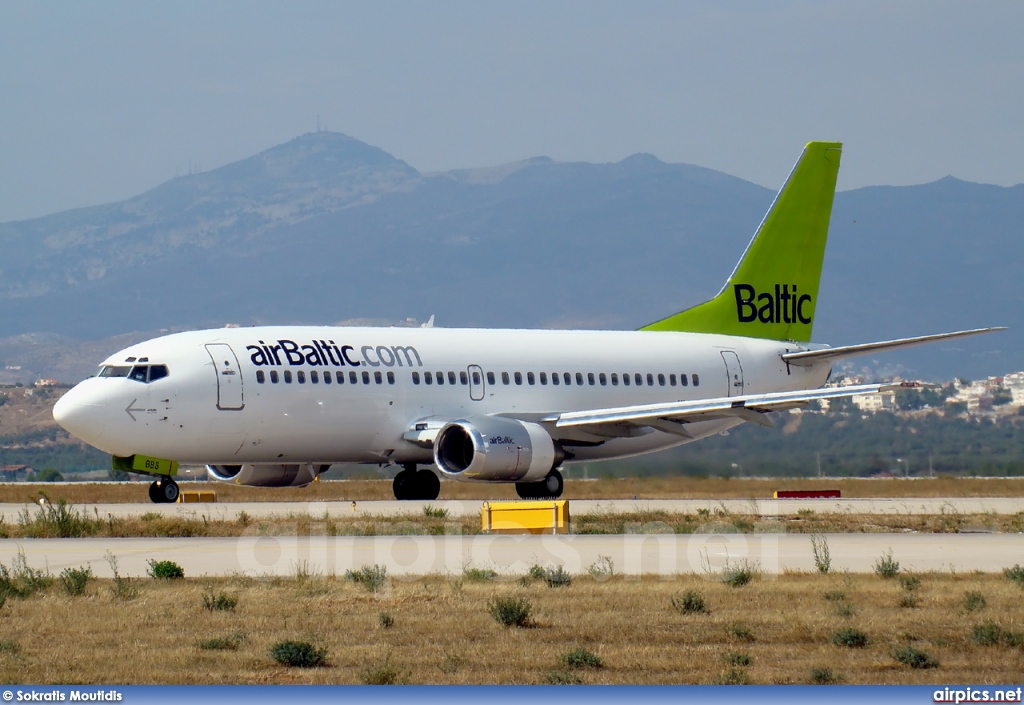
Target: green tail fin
column 773, row 290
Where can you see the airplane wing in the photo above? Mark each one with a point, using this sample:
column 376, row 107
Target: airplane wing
column 672, row 417
column 810, row 357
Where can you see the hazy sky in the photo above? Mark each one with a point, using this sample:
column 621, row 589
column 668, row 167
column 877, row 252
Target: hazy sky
column 102, row 100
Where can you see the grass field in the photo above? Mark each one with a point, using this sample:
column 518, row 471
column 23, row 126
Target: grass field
column 439, row 630
column 627, row 488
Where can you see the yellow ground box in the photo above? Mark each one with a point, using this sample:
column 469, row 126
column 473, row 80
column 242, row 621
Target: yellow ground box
column 535, row 517
column 196, row 496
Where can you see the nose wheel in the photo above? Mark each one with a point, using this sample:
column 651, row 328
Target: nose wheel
column 163, row 491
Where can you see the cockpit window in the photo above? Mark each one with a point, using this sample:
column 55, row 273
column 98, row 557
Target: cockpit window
column 138, row 373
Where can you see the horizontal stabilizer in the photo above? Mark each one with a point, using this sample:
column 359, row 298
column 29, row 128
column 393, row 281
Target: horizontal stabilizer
column 811, row 357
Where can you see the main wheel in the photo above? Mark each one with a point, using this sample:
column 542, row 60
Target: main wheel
column 404, row 485
column 548, row 488
column 168, row 491
column 427, row 485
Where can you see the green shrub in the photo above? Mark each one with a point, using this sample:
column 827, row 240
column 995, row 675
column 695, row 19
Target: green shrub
column 124, row 588
column 59, row 520
column 221, row 602
column 690, row 602
column 298, row 654
column 581, row 658
column 226, row 643
column 536, row 572
column 910, row 583
column 435, row 512
column 373, row 578
column 886, row 566
column 742, row 632
column 734, row 676
column 165, row 570
column 510, row 611
column 987, row 634
column 385, row 620
column 557, row 577
column 825, row 676
column 915, row 658
column 479, row 575
column 835, row 596
column 9, row 647
column 74, row 580
column 738, row 659
column 974, row 601
column 909, row 600
column 562, row 677
column 851, row 638
column 740, row 574
column 822, row 555
column 602, row 569
column 846, row 610
column 383, row 674
column 1016, row 574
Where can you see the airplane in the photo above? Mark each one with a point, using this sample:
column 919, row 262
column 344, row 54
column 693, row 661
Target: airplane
column 276, row 406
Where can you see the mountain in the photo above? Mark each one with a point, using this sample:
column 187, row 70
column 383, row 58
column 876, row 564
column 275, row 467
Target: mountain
column 326, row 228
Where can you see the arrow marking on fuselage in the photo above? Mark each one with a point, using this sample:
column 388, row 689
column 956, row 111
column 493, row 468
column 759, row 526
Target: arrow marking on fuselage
column 129, row 409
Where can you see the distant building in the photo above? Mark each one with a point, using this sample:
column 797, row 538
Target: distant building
column 873, row 403
column 1014, row 384
column 46, row 383
column 9, row 473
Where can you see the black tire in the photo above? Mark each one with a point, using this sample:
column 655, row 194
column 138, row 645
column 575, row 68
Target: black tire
column 427, row 485
column 154, row 494
column 549, row 488
column 169, row 491
column 553, row 485
column 404, row 485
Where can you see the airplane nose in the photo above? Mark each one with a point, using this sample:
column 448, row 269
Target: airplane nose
column 80, row 412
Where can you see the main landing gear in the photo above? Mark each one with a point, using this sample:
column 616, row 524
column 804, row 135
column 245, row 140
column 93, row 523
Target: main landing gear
column 411, row 483
column 548, row 488
column 163, row 491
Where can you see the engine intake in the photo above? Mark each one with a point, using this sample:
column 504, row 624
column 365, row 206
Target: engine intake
column 493, row 448
column 266, row 475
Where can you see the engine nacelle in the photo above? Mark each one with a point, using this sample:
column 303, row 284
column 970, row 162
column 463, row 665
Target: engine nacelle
column 496, row 449
column 266, row 475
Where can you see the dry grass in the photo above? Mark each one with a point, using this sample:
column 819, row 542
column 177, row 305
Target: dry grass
column 626, row 488
column 442, row 632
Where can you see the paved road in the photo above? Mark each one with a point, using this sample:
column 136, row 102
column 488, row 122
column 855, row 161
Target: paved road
column 458, row 508
column 632, row 554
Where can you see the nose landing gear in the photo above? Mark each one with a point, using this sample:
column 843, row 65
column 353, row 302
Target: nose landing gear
column 163, row 491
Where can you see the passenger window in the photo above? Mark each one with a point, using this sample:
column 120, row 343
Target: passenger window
column 314, row 376
column 544, row 378
column 696, row 380
column 339, row 377
column 464, row 379
column 415, row 377
column 590, row 378
column 287, row 376
column 672, row 380
column 639, row 378
column 661, row 379
column 301, row 376
column 477, row 379
column 366, row 377
column 519, row 377
column 554, row 378
column 603, row 379
column 260, row 377
column 139, row 373
column 273, row 376
column 682, row 380
column 378, row 378
column 353, row 378
column 579, row 379
column 625, row 379
column 490, row 378
column 568, row 378
column 615, row 379
column 327, row 376
column 530, row 379
column 157, row 372
column 391, row 377
column 440, row 377
column 504, row 377
column 428, row 377
column 451, row 378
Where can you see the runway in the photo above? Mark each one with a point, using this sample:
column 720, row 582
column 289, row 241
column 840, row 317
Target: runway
column 634, row 555
column 462, row 508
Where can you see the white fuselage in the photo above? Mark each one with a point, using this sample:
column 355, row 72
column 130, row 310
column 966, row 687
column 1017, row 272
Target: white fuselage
column 219, row 402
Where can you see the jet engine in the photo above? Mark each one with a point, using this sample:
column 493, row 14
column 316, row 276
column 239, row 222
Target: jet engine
column 493, row 448
column 266, row 475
